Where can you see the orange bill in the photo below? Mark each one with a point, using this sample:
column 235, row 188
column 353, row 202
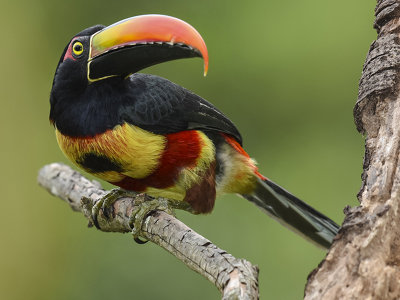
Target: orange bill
column 146, row 30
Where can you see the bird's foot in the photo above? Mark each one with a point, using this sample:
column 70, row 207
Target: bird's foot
column 149, row 205
column 105, row 204
column 143, row 207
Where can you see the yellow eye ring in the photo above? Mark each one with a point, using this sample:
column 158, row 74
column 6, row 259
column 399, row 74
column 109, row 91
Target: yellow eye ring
column 77, row 48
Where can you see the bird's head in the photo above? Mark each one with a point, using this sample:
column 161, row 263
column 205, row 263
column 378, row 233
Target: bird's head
column 126, row 47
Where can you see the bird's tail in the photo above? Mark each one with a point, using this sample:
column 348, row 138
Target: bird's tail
column 293, row 213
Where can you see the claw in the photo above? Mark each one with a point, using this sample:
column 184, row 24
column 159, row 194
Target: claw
column 105, row 204
column 140, row 241
column 144, row 209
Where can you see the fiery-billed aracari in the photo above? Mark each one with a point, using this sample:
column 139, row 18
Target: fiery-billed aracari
column 146, row 134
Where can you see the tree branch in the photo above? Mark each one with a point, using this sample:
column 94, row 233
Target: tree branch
column 364, row 261
column 235, row 278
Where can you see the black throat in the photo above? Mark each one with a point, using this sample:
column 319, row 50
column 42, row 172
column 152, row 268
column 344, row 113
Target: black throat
column 84, row 110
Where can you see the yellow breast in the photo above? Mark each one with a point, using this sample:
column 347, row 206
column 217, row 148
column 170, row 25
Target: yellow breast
column 133, row 151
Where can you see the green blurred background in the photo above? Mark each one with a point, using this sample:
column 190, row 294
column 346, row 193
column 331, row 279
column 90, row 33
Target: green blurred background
column 286, row 72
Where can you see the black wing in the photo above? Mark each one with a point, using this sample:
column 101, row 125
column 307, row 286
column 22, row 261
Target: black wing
column 160, row 106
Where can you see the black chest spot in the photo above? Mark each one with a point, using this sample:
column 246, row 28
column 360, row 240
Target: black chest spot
column 97, row 163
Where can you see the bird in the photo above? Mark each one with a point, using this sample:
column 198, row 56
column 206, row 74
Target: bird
column 146, row 134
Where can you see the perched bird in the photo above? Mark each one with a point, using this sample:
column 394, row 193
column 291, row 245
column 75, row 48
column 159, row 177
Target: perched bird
column 146, row 134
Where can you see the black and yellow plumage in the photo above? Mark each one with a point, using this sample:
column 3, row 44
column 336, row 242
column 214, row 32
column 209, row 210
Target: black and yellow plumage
column 146, row 134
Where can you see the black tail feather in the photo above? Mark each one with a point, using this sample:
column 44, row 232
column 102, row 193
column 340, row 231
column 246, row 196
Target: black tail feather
column 293, row 213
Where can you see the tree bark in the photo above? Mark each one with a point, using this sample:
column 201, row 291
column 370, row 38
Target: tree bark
column 364, row 261
column 235, row 278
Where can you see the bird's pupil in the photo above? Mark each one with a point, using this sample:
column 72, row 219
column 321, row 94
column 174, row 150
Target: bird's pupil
column 78, row 47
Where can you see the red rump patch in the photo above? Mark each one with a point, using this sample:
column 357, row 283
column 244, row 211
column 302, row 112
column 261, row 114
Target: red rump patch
column 181, row 151
column 235, row 145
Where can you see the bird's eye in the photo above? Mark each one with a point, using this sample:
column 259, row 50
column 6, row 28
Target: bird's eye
column 77, row 48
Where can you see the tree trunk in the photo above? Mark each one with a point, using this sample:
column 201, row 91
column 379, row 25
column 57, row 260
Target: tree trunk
column 364, row 261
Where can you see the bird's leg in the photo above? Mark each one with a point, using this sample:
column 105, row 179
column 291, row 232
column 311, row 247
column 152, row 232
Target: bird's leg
column 149, row 205
column 105, row 204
